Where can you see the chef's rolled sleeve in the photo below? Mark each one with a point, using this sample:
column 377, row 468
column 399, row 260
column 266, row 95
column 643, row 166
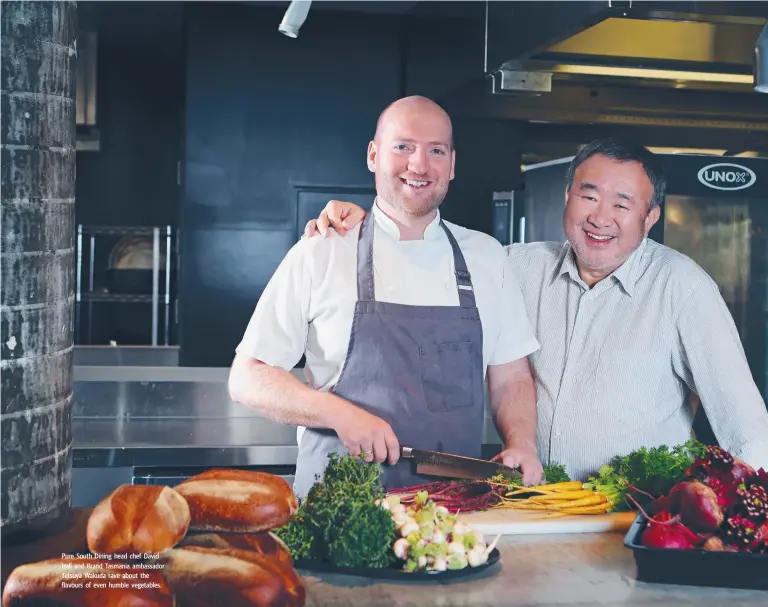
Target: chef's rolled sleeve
column 277, row 331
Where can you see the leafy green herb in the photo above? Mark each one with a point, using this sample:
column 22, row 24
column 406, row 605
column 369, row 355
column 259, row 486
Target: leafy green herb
column 555, row 473
column 340, row 522
column 644, row 473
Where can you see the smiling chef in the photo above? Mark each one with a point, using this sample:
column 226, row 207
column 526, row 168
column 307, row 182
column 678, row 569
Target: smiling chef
column 399, row 320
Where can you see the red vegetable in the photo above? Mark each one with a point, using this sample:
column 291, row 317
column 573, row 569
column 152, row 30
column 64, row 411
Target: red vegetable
column 723, row 473
column 464, row 496
column 760, row 543
column 672, row 535
column 697, row 505
column 741, row 471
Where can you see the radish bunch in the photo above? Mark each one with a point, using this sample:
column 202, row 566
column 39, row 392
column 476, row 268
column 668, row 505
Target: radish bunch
column 432, row 539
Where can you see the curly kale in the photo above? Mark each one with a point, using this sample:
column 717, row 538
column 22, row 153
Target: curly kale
column 339, row 522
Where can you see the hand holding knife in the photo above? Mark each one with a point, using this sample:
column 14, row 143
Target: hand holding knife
column 434, row 463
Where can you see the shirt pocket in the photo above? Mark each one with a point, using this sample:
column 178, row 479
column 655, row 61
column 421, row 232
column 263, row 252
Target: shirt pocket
column 447, row 375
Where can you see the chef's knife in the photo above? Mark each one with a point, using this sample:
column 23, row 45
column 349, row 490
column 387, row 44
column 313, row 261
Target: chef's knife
column 434, row 463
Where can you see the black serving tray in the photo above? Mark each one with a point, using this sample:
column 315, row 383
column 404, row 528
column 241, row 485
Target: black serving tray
column 396, row 572
column 696, row 567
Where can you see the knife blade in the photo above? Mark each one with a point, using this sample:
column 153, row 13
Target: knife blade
column 434, row 463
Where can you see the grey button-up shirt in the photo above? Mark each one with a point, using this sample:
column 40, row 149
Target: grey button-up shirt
column 617, row 362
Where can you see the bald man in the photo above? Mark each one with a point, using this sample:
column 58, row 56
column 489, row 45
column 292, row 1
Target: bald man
column 401, row 321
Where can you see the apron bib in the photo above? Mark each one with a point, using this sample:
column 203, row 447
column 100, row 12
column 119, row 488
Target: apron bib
column 419, row 368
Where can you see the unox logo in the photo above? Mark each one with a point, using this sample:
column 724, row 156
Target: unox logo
column 727, row 176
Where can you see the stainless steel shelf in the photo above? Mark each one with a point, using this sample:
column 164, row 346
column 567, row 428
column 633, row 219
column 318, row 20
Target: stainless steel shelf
column 117, row 230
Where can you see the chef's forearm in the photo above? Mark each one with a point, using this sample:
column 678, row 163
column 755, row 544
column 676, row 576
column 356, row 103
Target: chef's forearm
column 279, row 396
column 513, row 403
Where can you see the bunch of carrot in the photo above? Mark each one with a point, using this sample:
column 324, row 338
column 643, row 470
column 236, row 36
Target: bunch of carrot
column 561, row 499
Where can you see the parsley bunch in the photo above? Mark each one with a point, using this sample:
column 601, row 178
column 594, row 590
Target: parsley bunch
column 555, row 473
column 340, row 522
column 644, row 471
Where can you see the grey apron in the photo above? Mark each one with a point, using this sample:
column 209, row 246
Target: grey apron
column 419, row 368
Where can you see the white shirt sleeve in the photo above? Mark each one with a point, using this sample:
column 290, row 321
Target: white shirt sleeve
column 517, row 338
column 277, row 332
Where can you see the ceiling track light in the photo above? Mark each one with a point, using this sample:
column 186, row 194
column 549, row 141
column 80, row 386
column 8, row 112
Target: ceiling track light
column 294, row 18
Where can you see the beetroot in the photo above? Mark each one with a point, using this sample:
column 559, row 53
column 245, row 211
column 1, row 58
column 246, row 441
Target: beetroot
column 740, row 472
column 675, row 536
column 760, row 543
column 697, row 505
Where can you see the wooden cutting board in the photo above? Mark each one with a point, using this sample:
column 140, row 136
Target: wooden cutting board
column 507, row 521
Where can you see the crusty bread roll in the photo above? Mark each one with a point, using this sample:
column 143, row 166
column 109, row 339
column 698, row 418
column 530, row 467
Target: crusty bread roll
column 262, row 542
column 138, row 518
column 42, row 583
column 238, row 501
column 214, row 577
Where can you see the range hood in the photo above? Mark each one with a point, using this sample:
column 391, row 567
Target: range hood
column 672, row 74
column 704, row 45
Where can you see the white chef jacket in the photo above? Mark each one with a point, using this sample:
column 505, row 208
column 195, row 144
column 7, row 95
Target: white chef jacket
column 308, row 305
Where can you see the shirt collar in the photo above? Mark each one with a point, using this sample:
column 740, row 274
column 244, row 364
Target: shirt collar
column 625, row 274
column 389, row 227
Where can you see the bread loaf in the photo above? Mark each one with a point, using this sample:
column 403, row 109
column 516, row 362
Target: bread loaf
column 263, row 542
column 64, row 583
column 238, row 501
column 138, row 518
column 214, row 577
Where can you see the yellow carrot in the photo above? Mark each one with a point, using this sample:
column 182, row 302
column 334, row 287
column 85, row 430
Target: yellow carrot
column 566, row 495
column 567, row 486
column 587, row 501
column 531, row 506
column 528, row 491
column 599, row 509
column 593, row 500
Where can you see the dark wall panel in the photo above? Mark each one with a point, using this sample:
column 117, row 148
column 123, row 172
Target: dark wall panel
column 132, row 180
column 267, row 115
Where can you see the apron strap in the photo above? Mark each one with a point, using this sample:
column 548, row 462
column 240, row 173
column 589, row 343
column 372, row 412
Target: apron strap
column 463, row 278
column 365, row 284
column 365, row 288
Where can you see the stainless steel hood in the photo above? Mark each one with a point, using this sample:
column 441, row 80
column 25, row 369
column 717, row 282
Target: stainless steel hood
column 703, row 45
column 671, row 74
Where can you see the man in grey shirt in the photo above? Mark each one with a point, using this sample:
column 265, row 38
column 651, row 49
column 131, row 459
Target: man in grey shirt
column 628, row 328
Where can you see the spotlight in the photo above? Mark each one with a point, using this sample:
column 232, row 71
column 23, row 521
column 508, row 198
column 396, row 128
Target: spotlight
column 294, row 18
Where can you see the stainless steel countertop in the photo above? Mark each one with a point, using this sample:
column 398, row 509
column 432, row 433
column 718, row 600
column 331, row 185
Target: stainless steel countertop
column 175, row 416
column 189, row 421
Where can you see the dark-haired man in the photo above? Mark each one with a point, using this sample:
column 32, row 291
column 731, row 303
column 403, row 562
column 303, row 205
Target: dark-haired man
column 628, row 327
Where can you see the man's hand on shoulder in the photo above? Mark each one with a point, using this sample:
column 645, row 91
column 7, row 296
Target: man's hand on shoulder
column 337, row 216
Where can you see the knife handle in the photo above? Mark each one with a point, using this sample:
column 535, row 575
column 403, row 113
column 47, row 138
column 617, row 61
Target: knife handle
column 406, row 452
